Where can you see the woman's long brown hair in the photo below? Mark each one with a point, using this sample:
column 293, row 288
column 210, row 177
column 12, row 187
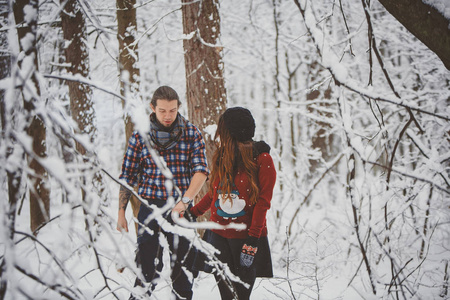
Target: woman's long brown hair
column 230, row 157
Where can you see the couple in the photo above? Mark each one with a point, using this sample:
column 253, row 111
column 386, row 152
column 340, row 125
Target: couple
column 240, row 190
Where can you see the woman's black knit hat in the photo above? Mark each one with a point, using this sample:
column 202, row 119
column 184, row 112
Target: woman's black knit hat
column 240, row 123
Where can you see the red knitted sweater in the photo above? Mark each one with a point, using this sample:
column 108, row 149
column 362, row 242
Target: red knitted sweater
column 241, row 211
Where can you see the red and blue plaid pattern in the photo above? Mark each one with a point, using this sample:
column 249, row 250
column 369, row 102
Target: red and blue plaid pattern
column 183, row 160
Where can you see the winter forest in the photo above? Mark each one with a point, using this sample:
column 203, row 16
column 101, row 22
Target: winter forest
column 352, row 96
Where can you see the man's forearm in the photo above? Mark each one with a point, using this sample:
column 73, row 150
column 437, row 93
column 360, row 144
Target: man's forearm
column 124, row 198
column 197, row 182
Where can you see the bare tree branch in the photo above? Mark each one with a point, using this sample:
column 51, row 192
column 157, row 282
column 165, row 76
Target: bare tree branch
column 373, row 45
column 62, row 290
column 425, row 22
column 328, row 62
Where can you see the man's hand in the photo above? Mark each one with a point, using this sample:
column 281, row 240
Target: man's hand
column 122, row 223
column 179, row 208
column 124, row 197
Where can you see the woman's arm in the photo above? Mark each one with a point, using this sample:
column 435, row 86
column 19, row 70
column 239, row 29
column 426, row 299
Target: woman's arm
column 202, row 206
column 267, row 178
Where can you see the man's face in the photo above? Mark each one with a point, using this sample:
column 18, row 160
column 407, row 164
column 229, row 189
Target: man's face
column 166, row 111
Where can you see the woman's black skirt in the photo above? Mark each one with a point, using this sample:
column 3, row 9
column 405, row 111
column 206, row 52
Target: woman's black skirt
column 230, row 250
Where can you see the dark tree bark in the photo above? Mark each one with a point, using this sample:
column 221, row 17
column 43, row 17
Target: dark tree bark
column 128, row 58
column 27, row 33
column 425, row 23
column 81, row 104
column 205, row 86
column 320, row 139
column 5, row 59
column 77, row 55
column 128, row 52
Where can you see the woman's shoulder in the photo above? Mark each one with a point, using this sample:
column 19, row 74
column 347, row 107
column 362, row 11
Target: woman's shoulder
column 260, row 148
column 261, row 151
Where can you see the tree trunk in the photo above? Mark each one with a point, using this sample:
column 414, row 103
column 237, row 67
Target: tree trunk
column 13, row 176
column 320, row 138
column 205, row 86
column 27, row 33
column 129, row 71
column 425, row 23
column 5, row 61
column 81, row 106
column 128, row 52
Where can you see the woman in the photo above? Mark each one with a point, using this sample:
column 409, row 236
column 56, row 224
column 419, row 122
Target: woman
column 241, row 186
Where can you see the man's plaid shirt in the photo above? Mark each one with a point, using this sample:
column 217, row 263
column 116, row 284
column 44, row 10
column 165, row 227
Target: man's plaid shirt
column 183, row 160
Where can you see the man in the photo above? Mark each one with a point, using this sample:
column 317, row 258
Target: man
column 181, row 146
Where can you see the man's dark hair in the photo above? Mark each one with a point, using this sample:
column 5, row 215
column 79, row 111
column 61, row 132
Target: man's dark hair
column 165, row 93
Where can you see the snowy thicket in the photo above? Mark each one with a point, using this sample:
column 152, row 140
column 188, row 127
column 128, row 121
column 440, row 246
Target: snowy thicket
column 356, row 111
